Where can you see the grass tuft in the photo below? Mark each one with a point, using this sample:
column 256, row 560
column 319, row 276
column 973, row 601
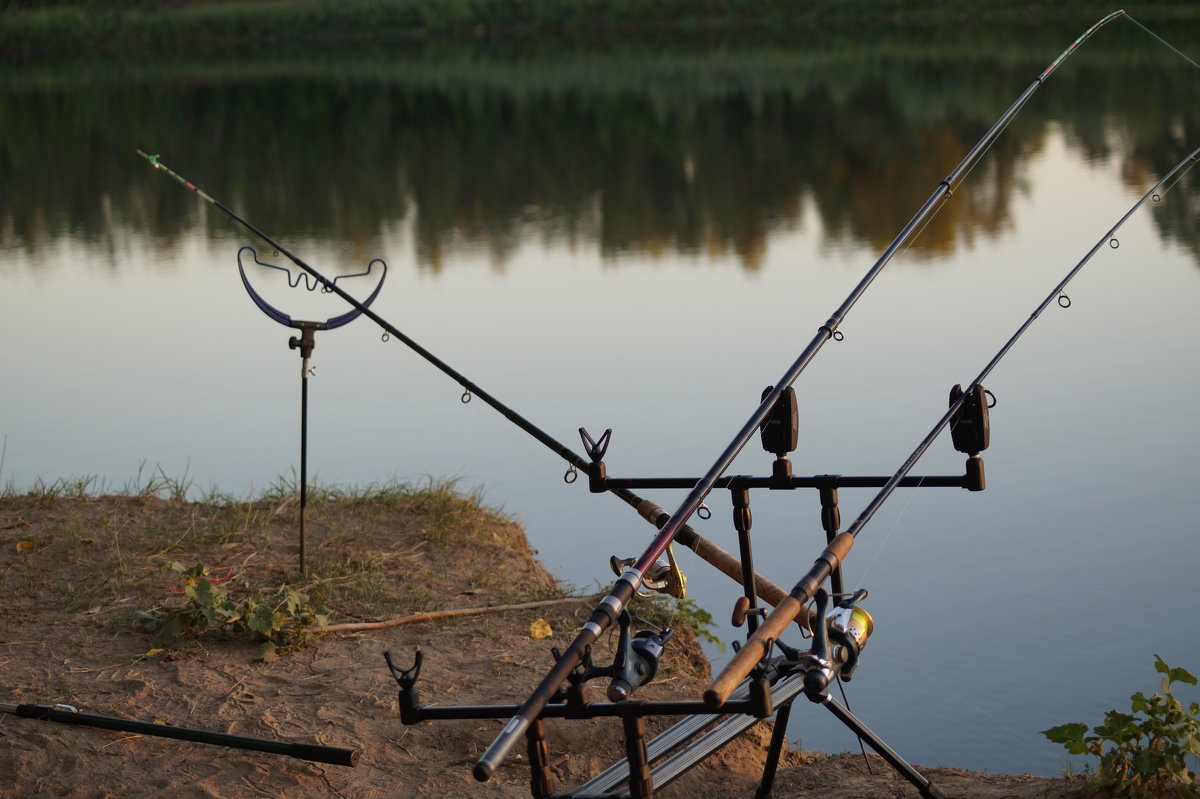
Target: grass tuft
column 374, row 551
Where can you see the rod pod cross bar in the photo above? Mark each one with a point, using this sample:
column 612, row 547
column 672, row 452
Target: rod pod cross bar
column 759, row 644
column 619, row 595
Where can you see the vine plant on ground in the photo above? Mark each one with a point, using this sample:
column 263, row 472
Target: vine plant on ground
column 282, row 622
column 1142, row 755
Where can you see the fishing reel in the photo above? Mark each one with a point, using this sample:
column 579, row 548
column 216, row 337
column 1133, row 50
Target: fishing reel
column 635, row 664
column 838, row 640
column 664, row 577
column 637, row 659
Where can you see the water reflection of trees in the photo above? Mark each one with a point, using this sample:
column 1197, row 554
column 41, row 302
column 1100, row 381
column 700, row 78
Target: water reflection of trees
column 642, row 152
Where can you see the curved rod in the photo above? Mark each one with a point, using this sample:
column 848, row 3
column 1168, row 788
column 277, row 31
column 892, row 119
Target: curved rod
column 757, row 646
column 623, row 590
column 672, row 526
column 284, row 319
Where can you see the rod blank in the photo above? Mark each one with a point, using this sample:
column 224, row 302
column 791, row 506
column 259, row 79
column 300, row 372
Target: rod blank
column 612, row 604
column 321, row 754
column 758, row 643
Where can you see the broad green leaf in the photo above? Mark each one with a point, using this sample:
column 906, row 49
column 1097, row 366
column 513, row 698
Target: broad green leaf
column 1070, row 736
column 1182, row 675
column 172, row 628
column 265, row 621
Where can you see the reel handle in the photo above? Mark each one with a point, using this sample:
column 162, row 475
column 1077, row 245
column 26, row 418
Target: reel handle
column 754, row 650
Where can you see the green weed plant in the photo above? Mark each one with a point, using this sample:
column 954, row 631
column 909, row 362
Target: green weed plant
column 1143, row 753
column 664, row 611
column 280, row 623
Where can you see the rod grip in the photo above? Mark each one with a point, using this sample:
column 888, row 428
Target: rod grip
column 752, row 651
column 716, row 557
column 333, row 755
column 756, row 647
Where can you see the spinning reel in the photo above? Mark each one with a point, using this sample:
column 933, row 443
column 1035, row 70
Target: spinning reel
column 635, row 664
column 838, row 641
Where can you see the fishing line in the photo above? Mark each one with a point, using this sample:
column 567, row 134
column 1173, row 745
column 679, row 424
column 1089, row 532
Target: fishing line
column 887, row 537
column 757, row 645
column 1170, row 46
column 903, row 510
column 673, row 525
column 1161, row 195
column 1004, row 128
column 846, row 701
column 790, row 606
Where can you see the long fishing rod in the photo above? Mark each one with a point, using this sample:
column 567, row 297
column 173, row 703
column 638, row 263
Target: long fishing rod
column 759, row 643
column 708, row 551
column 66, row 714
column 619, row 595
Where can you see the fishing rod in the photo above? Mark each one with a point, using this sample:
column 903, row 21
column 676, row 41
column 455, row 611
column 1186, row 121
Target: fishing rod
column 66, row 714
column 704, row 548
column 758, row 645
column 611, row 606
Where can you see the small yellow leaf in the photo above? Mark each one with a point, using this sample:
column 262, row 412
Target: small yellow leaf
column 153, row 653
column 24, row 545
column 540, row 629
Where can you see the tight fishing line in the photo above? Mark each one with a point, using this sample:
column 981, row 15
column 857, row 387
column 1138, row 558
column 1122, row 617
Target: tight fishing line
column 759, row 643
column 1157, row 197
column 674, row 525
column 1161, row 195
column 1165, row 43
column 991, row 144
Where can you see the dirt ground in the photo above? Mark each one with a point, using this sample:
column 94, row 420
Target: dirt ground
column 73, row 570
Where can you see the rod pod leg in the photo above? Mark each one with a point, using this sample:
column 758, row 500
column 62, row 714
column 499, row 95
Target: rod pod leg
column 831, row 521
column 927, row 788
column 641, row 786
column 541, row 781
column 773, row 752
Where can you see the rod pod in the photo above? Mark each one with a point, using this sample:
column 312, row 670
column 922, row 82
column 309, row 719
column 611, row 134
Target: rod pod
column 622, row 591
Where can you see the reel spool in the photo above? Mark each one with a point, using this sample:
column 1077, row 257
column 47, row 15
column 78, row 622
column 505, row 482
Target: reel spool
column 838, row 640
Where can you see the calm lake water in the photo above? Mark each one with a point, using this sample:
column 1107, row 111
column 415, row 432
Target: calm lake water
column 641, row 236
